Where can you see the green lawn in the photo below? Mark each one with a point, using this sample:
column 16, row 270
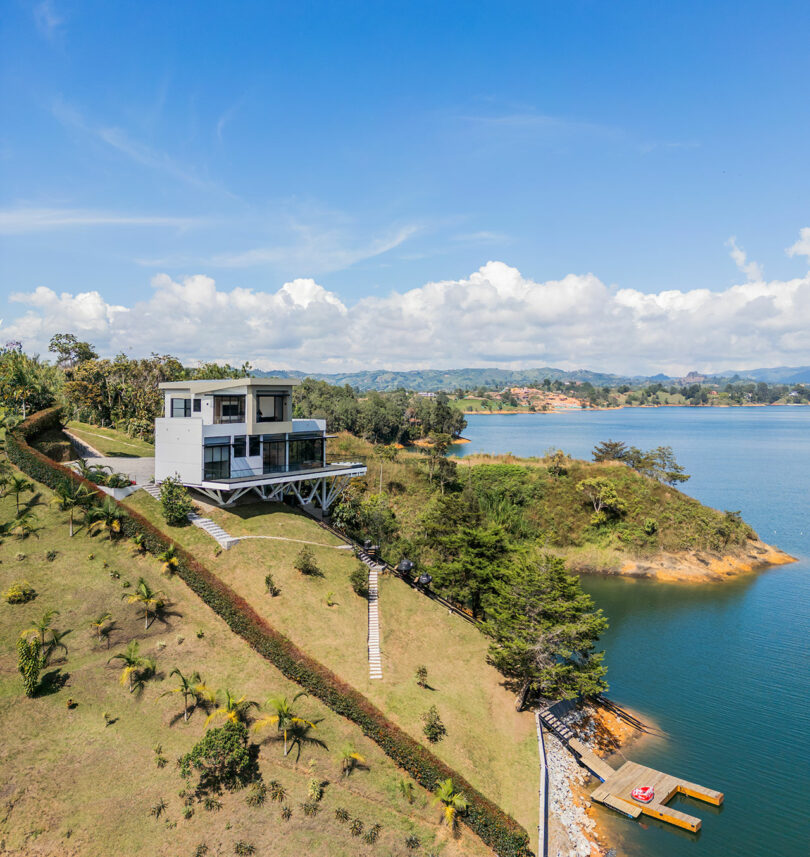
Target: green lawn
column 75, row 786
column 487, row 740
column 110, row 442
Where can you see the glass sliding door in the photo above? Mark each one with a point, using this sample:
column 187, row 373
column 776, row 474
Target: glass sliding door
column 306, row 453
column 274, row 456
column 217, row 461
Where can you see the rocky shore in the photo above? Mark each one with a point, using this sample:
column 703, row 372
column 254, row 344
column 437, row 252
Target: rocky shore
column 573, row 830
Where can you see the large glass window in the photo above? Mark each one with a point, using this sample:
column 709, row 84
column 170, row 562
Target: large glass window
column 274, row 454
column 239, row 446
column 306, row 453
column 217, row 462
column 269, row 408
column 229, row 409
column 181, row 407
column 255, row 445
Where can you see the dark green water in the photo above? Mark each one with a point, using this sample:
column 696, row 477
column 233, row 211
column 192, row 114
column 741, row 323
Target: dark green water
column 723, row 669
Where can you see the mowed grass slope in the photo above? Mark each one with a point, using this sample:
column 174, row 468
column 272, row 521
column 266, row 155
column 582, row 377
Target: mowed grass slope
column 487, row 740
column 73, row 785
column 110, row 442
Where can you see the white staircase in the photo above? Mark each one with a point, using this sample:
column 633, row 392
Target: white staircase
column 206, row 524
column 374, row 655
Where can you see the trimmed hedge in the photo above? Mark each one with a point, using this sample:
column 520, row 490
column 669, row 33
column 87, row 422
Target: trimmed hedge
column 497, row 829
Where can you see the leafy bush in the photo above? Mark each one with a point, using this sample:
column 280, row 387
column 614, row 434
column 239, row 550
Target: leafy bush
column 305, row 562
column 20, row 592
column 222, row 758
column 270, row 585
column 257, row 794
column 421, row 676
column 434, row 729
column 356, row 827
column 359, row 580
column 175, row 502
column 342, row 815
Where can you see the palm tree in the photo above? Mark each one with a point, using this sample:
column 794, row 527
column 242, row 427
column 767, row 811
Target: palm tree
column 24, row 525
column 149, row 598
column 284, row 718
column 233, row 709
column 15, row 486
column 41, row 626
column 56, row 643
column 191, row 686
column 99, row 625
column 169, row 560
column 136, row 666
column 96, row 473
column 349, row 760
column 108, row 515
column 454, row 802
column 69, row 497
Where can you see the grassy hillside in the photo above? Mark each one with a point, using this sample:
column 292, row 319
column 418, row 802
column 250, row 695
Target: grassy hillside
column 110, row 442
column 534, row 504
column 74, row 785
column 487, row 740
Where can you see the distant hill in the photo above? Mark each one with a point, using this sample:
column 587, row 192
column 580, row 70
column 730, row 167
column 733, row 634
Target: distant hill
column 775, row 375
column 433, row 380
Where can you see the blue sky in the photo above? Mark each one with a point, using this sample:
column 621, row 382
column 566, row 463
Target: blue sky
column 374, row 148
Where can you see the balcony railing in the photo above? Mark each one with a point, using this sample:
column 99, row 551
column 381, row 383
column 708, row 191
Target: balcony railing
column 257, row 473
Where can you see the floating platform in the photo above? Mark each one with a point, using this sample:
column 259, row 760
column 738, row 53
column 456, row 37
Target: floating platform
column 615, row 793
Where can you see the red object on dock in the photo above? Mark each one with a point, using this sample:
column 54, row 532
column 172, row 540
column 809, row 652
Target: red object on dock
column 645, row 794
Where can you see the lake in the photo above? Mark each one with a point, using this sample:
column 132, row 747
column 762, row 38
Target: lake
column 722, row 669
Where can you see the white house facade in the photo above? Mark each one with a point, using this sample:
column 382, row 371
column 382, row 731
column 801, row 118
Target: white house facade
column 225, row 438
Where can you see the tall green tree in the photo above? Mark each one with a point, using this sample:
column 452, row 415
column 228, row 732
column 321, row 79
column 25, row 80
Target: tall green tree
column 151, row 600
column 544, row 629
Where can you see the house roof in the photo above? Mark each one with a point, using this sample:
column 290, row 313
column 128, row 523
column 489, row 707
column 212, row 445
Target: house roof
column 213, row 384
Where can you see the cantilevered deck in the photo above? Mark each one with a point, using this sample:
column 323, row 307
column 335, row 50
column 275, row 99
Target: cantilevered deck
column 615, row 793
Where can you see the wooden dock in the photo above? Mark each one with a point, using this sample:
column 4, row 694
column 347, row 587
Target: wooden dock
column 615, row 793
column 617, row 785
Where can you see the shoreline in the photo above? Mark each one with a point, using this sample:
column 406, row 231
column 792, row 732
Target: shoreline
column 578, row 829
column 690, row 566
column 552, row 411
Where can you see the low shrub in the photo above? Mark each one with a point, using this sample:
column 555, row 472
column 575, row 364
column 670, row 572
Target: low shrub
column 175, row 502
column 305, row 562
column 359, row 580
column 434, row 729
column 20, row 592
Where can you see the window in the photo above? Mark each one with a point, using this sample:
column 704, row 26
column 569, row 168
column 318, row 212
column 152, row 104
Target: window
column 197, row 406
column 274, row 454
column 239, row 446
column 181, row 407
column 229, row 409
column 217, row 462
column 306, row 453
column 255, row 445
column 269, row 408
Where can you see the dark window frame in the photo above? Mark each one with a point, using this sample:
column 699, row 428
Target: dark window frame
column 216, row 462
column 240, row 446
column 254, row 445
column 197, row 406
column 185, row 405
column 278, row 407
column 236, row 402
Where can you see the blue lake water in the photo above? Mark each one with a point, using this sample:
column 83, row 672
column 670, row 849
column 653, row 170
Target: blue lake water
column 723, row 669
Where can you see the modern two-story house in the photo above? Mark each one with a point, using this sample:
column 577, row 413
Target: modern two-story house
column 225, row 438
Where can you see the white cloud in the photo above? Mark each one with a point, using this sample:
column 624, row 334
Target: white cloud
column 496, row 316
column 752, row 270
column 16, row 221
column 802, row 246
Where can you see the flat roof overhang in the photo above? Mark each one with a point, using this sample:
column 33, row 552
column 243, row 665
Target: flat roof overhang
column 347, row 469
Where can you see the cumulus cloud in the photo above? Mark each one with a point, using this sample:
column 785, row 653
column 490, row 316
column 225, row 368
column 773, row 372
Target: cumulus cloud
column 496, row 316
column 752, row 270
column 802, row 246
